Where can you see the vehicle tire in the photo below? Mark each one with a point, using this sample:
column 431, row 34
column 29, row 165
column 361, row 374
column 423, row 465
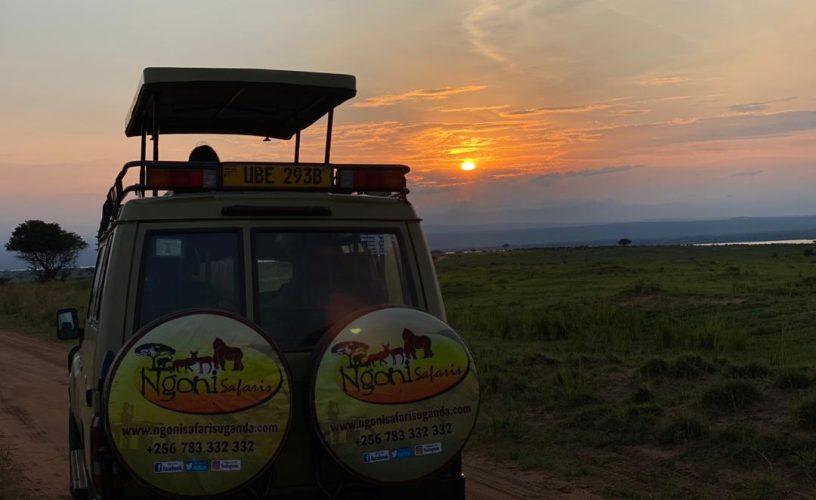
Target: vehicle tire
column 74, row 443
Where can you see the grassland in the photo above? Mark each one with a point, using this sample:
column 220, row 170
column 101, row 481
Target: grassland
column 31, row 307
column 632, row 372
column 645, row 372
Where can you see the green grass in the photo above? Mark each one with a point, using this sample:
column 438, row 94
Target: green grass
column 731, row 396
column 31, row 307
column 682, row 428
column 805, row 413
column 587, row 354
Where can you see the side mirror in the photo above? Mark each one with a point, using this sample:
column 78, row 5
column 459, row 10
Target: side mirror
column 68, row 324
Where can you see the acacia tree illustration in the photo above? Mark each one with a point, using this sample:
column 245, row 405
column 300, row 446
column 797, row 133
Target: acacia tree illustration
column 154, row 351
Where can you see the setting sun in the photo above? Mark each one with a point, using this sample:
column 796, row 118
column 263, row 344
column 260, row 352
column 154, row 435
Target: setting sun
column 467, row 166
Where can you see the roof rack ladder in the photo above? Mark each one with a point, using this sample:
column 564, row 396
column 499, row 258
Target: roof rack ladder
column 142, row 157
column 155, row 135
column 328, row 135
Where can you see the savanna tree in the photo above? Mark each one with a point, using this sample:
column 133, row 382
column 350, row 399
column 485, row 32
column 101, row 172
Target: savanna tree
column 49, row 250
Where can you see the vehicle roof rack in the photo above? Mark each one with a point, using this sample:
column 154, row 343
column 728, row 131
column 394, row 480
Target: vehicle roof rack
column 259, row 102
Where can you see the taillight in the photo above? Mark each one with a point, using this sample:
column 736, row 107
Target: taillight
column 372, row 179
column 182, row 178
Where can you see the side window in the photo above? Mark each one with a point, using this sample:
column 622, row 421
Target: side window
column 98, row 282
column 190, row 270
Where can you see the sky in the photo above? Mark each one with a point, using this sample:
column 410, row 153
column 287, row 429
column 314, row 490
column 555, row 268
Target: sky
column 573, row 111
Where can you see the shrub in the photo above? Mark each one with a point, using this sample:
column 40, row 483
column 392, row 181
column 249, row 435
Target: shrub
column 642, row 288
column 642, row 395
column 730, row 397
column 735, row 433
column 641, row 409
column 690, row 366
column 805, row 413
column 750, row 370
column 573, row 387
column 654, row 366
column 682, row 428
column 792, row 378
column 506, row 426
column 684, row 366
column 538, row 359
column 591, row 418
column 606, row 424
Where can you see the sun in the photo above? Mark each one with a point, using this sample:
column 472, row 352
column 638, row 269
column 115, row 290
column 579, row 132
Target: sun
column 467, row 166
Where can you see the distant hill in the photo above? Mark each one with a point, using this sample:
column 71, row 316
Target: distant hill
column 464, row 237
column 641, row 233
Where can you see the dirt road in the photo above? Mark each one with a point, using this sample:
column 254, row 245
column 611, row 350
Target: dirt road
column 33, row 427
column 33, row 415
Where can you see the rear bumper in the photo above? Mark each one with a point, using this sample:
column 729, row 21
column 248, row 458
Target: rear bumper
column 449, row 488
column 445, row 488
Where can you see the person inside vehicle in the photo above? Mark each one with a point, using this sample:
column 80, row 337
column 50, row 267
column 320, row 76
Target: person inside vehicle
column 203, row 152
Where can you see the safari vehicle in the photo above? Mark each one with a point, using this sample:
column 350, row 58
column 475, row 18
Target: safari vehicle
column 289, row 249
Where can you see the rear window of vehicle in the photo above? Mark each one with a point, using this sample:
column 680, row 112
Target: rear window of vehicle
column 188, row 270
column 305, row 281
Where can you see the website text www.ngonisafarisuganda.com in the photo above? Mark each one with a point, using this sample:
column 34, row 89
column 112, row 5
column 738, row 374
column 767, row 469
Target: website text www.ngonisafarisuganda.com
column 400, row 417
column 164, row 431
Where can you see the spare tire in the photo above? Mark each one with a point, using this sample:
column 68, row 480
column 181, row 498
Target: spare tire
column 198, row 404
column 395, row 394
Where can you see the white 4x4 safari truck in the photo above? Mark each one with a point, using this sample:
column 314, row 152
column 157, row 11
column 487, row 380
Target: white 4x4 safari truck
column 262, row 329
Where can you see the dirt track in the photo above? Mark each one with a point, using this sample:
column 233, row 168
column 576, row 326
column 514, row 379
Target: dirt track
column 33, row 415
column 33, row 426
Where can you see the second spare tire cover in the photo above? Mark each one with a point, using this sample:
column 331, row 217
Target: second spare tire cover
column 395, row 394
column 198, row 403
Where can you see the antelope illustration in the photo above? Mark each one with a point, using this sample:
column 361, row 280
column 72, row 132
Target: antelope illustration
column 204, row 360
column 380, row 356
column 187, row 364
column 397, row 351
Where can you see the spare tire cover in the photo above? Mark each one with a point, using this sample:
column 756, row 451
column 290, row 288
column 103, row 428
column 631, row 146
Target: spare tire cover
column 198, row 403
column 395, row 394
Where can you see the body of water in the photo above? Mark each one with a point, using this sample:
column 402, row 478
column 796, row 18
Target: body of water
column 772, row 242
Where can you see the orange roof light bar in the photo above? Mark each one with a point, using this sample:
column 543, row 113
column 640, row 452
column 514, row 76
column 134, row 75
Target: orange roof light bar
column 182, row 178
column 271, row 176
column 373, row 179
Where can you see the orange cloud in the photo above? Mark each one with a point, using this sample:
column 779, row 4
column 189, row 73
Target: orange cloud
column 559, row 109
column 419, row 94
column 473, row 109
column 633, row 111
column 661, row 81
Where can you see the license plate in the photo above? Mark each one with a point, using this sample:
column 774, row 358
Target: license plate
column 256, row 176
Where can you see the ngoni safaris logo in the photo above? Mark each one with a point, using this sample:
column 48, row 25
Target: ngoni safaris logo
column 403, row 369
column 208, row 377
